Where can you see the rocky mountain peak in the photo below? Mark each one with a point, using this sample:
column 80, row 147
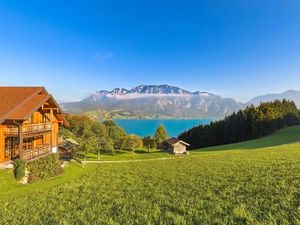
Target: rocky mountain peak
column 119, row 91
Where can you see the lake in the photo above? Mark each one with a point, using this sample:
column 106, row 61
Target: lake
column 145, row 127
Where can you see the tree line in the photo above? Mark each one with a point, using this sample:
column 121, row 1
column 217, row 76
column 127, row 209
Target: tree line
column 94, row 136
column 250, row 123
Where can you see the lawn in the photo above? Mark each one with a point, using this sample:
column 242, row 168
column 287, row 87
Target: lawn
column 10, row 188
column 284, row 136
column 247, row 183
column 120, row 155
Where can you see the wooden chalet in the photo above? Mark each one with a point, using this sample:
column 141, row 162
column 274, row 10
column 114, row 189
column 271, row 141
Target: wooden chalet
column 29, row 121
column 176, row 146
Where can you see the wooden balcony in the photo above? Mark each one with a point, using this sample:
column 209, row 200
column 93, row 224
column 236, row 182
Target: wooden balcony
column 28, row 129
column 29, row 151
column 37, row 152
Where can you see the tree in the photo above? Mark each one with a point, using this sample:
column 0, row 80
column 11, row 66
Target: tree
column 149, row 143
column 106, row 143
column 153, row 144
column 115, row 133
column 78, row 124
column 99, row 129
column 66, row 133
column 160, row 135
column 88, row 142
column 132, row 142
column 109, row 123
column 103, row 141
column 146, row 142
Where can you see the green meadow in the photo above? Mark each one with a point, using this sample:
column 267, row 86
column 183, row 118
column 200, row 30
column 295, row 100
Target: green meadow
column 253, row 182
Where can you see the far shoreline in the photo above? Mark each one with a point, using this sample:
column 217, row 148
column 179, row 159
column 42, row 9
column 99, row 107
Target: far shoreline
column 147, row 127
column 168, row 118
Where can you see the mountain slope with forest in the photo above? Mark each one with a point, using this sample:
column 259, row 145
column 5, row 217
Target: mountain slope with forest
column 292, row 95
column 253, row 122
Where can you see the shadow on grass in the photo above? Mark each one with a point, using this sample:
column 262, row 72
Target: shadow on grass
column 147, row 152
column 75, row 163
column 120, row 154
column 112, row 153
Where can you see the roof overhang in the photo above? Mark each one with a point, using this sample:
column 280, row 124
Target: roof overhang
column 182, row 142
column 33, row 103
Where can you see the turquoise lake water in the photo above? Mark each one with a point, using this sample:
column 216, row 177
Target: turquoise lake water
column 144, row 127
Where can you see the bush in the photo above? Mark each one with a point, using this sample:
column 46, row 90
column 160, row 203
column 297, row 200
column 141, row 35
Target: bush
column 44, row 168
column 19, row 169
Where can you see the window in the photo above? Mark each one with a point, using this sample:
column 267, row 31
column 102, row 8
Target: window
column 11, row 147
column 7, row 148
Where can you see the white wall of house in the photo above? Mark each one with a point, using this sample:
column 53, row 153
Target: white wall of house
column 179, row 148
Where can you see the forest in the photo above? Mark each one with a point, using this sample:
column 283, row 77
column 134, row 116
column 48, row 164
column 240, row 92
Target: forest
column 250, row 123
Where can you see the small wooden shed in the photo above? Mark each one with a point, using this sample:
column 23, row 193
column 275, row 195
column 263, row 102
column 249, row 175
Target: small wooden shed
column 176, row 146
column 66, row 148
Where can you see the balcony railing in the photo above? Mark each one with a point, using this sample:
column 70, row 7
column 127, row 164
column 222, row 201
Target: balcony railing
column 29, row 152
column 28, row 129
column 38, row 151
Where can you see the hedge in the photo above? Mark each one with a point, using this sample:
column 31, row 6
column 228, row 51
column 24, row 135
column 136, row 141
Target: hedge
column 19, row 168
column 44, row 168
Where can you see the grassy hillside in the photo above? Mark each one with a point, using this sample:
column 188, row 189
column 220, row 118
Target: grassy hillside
column 10, row 188
column 284, row 136
column 252, row 182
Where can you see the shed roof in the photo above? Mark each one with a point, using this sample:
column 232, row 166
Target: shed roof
column 18, row 103
column 172, row 141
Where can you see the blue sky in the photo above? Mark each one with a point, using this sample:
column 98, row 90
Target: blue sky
column 236, row 49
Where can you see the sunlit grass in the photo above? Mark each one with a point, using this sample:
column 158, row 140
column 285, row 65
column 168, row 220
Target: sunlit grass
column 249, row 183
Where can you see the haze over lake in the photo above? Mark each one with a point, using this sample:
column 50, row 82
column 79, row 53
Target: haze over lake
column 145, row 127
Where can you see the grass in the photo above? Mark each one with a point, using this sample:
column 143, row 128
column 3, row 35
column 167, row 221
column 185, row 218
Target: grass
column 10, row 188
column 252, row 182
column 121, row 155
column 284, row 136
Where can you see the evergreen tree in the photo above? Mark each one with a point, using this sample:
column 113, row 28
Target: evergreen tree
column 253, row 122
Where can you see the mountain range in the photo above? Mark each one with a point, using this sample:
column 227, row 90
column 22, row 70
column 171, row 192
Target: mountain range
column 290, row 95
column 167, row 101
